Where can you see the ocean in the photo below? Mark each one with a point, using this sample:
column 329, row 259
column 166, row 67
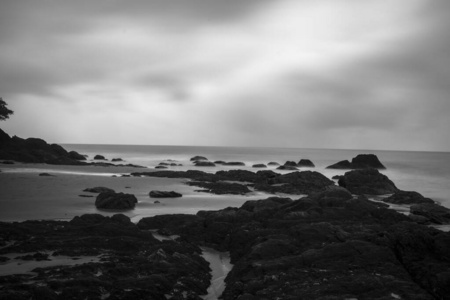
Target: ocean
column 24, row 195
column 425, row 172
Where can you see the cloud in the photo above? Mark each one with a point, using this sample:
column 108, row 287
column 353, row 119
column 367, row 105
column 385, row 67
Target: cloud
column 292, row 73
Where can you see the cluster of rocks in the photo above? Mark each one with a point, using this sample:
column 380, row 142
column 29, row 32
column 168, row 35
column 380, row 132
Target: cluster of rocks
column 328, row 245
column 130, row 264
column 292, row 183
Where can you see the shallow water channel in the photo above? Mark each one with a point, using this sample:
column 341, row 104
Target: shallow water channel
column 220, row 265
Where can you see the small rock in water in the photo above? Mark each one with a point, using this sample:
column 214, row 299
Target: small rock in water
column 259, row 166
column 46, row 174
column 99, row 157
column 164, row 194
column 99, row 189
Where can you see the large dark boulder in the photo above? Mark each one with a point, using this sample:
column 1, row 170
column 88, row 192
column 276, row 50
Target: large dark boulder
column 109, row 200
column 435, row 213
column 407, row 197
column 361, row 161
column 164, row 194
column 367, row 181
column 306, row 163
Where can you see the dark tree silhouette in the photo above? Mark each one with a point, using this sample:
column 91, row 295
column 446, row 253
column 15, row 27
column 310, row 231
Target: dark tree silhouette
column 4, row 111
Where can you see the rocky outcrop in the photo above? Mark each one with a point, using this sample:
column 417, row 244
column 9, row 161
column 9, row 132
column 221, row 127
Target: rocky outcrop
column 99, row 189
column 296, row 183
column 329, row 245
column 407, row 197
column 368, row 182
column 116, row 159
column 33, row 150
column 164, row 194
column 306, row 163
column 433, row 213
column 111, row 200
column 128, row 262
column 361, row 161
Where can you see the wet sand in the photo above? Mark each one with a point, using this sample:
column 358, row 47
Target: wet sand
column 27, row 196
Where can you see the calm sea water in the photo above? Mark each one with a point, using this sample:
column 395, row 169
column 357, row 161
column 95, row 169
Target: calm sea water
column 425, row 172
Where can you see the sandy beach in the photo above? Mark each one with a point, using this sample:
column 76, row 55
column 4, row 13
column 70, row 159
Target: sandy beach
column 28, row 196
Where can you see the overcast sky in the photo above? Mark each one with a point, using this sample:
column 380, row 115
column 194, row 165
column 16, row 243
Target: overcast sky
column 372, row 74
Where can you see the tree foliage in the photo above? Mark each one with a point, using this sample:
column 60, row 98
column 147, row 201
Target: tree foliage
column 4, row 111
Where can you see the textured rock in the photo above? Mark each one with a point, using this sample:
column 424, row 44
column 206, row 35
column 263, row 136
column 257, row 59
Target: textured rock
column 367, row 181
column 110, row 200
column 76, row 155
column 290, row 164
column 164, row 194
column 435, row 213
column 407, row 197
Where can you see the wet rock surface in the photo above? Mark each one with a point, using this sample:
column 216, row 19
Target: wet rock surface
column 304, row 182
column 129, row 264
column 407, row 197
column 111, row 200
column 368, row 182
column 329, row 245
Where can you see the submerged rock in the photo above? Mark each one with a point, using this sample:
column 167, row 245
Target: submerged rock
column 111, row 200
column 272, row 163
column 164, row 194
